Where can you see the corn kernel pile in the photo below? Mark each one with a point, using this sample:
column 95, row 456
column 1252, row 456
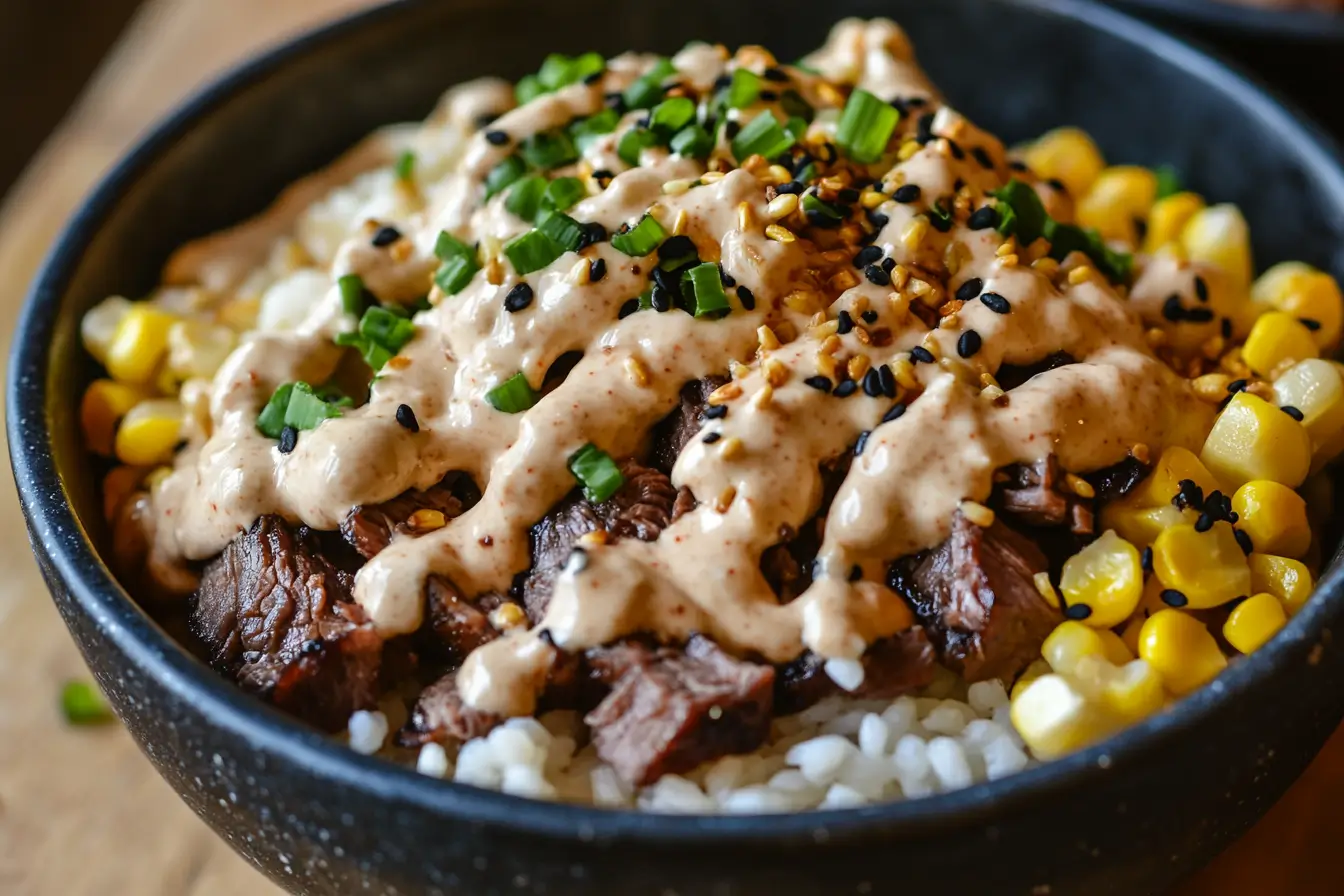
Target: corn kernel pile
column 1210, row 554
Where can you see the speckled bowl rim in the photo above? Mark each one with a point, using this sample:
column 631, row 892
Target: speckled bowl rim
column 59, row 535
column 1295, row 25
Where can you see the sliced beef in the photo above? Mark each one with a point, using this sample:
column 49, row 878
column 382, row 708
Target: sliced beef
column 369, row 527
column 787, row 566
column 273, row 612
column 976, row 596
column 1118, row 480
column 678, row 428
column 441, row 715
column 642, row 509
column 456, row 626
column 671, row 710
column 891, row 667
column 685, row 503
column 1010, row 376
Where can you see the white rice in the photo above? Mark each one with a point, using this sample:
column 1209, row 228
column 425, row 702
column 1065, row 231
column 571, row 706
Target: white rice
column 838, row 754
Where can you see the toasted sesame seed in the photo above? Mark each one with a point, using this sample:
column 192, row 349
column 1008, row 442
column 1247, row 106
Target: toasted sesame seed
column 1045, row 589
column 724, row 394
column 977, row 513
column 731, row 448
column 518, row 298
column 1079, row 486
column 745, row 218
column 677, row 187
column 782, row 206
column 779, row 234
column 406, row 418
column 639, row 373
column 914, row 233
column 725, row 499
column 776, row 372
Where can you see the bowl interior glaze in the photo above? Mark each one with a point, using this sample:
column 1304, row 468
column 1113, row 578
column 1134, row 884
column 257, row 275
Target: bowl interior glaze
column 1017, row 67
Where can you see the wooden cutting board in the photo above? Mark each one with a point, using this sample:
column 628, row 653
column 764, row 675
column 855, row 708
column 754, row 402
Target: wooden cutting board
column 82, row 813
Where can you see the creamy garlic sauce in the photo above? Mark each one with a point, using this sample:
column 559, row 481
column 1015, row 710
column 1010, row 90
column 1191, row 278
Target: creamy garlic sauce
column 761, row 476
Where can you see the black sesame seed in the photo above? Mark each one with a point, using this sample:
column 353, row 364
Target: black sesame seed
column 730, row 129
column 1204, row 523
column 1236, row 386
column 675, row 247
column 406, row 417
column 792, row 187
column 711, row 438
column 872, row 383
column 603, row 176
column 727, row 279
column 983, row 158
column 716, row 412
column 1017, row 165
column 1056, row 184
column 844, row 323
column 723, row 82
column 827, row 153
column 518, row 298
column 869, row 316
column 628, row 307
column 746, row 297
column 897, row 412
column 983, row 218
column 967, row 291
column 1292, row 412
column 385, row 236
column 544, row 635
column 920, row 353
column 1077, row 611
column 957, row 152
column 668, row 280
column 855, row 572
column 1199, row 315
column 592, row 79
column 615, row 101
column 768, row 96
column 1172, row 310
column 661, row 299
column 593, row 233
column 996, row 303
column 878, row 219
column 846, row 389
column 888, row 264
column 877, row 276
column 289, row 437
column 597, row 269
column 861, row 443
column 1201, row 289
column 1173, row 598
column 924, row 129
column 778, row 75
column 1189, row 494
column 848, row 195
column 907, row 193
column 888, row 381
column 1146, row 559
column 1244, row 539
column 820, row 383
column 866, row 256
column 1310, row 323
column 497, row 138
column 1227, row 328
column 969, row 343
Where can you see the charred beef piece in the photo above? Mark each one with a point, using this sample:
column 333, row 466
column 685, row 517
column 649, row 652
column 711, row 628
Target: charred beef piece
column 976, row 596
column 685, row 503
column 1114, row 482
column 642, row 509
column 787, row 566
column 441, row 715
column 892, row 666
column 1035, row 494
column 678, row 428
column 369, row 527
column 276, row 614
column 1010, row 376
column 671, row 710
column 456, row 626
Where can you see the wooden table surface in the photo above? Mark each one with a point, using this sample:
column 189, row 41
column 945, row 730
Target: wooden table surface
column 81, row 811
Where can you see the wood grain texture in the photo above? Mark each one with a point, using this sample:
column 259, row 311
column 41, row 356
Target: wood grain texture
column 82, row 812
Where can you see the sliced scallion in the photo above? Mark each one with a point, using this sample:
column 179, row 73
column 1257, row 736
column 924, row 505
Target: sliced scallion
column 504, row 174
column 1028, row 218
column 391, row 331
column 648, row 88
column 528, row 88
column 563, row 230
column 459, row 264
column 83, row 704
column 670, row 116
column 633, row 142
column 405, row 166
column 353, row 297
column 586, row 130
column 1168, row 181
column 513, row 396
column 745, row 87
column 815, row 205
column 562, row 193
column 707, row 286
column 794, row 106
column 596, row 472
column 532, row 251
column 641, row 239
column 548, row 149
column 761, row 136
column 692, row 142
column 271, row 420
column 865, row 127
column 306, row 410
column 524, row 197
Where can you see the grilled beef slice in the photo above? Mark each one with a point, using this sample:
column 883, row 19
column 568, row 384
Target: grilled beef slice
column 642, row 509
column 893, row 666
column 678, row 428
column 455, row 626
column 441, row 715
column 976, row 597
column 1035, row 494
column 369, row 527
column 277, row 615
column 670, row 710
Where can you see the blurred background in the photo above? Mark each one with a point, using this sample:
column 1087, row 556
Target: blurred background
column 81, row 812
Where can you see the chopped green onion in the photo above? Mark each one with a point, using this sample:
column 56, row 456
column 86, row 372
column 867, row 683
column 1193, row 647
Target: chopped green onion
column 745, row 87
column 641, row 239
column 707, row 286
column 271, row 420
column 633, row 142
column 761, row 136
column 586, row 130
column 374, row 354
column 1067, row 238
column 865, row 127
column 83, row 704
column 459, row 264
column 1027, row 218
column 562, row 194
column 796, row 127
column 648, row 89
column 504, row 174
column 405, row 166
column 693, row 142
column 532, row 251
column 807, row 175
column 596, row 472
column 794, row 106
column 548, row 149
column 306, row 410
column 525, row 197
column 391, row 331
column 564, row 230
column 513, row 396
column 353, row 298
column 528, row 88
column 559, row 70
column 670, row 116
column 1168, row 181
column 813, row 204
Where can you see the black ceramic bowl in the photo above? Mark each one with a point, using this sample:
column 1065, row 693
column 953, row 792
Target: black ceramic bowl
column 1126, row 817
column 1309, row 26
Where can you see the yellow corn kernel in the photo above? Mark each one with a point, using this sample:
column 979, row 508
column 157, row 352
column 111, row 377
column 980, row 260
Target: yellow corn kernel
column 1277, row 340
column 1034, row 670
column 104, row 404
column 1161, row 485
column 99, row 325
column 1139, row 525
column 1119, row 196
column 1287, row 579
column 1253, row 439
column 1304, row 292
column 1069, row 155
column 150, row 432
column 1071, row 641
column 1274, row 516
column 139, row 344
column 1054, row 717
column 1315, row 388
column 1209, row 568
column 1168, row 218
column 1105, row 576
column 1134, row 691
column 1219, row 236
column 1181, row 650
column 1254, row 621
column 118, row 485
